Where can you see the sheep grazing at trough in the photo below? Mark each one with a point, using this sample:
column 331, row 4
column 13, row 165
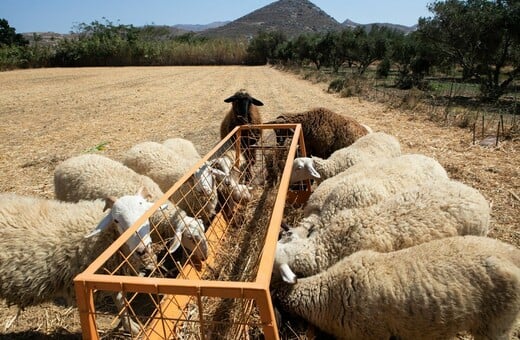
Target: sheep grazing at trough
column 166, row 165
column 244, row 111
column 46, row 243
column 371, row 147
column 91, row 176
column 430, row 291
column 324, row 131
column 229, row 174
column 365, row 184
column 448, row 208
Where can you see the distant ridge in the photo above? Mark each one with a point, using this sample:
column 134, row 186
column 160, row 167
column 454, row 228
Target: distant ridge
column 293, row 17
column 368, row 27
column 199, row 28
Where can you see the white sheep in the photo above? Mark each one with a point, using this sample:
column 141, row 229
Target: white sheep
column 46, row 243
column 228, row 171
column 91, row 176
column 184, row 148
column 448, row 208
column 166, row 165
column 430, row 291
column 370, row 147
column 365, row 184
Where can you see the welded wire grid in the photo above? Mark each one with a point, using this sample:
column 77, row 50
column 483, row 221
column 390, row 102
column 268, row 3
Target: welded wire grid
column 184, row 296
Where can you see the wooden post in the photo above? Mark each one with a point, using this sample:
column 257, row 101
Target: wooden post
column 498, row 133
column 474, row 132
column 483, row 114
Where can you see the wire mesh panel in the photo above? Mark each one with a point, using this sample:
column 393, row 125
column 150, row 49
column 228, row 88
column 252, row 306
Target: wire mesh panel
column 213, row 250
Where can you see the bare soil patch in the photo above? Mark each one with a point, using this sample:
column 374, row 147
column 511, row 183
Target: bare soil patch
column 48, row 115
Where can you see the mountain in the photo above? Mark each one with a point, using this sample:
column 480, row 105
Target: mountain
column 198, row 28
column 293, row 17
column 45, row 38
column 368, row 27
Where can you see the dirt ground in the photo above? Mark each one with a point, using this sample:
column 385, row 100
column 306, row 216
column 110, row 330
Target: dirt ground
column 48, row 115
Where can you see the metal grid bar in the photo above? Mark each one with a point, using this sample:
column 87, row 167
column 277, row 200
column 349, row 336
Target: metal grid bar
column 188, row 288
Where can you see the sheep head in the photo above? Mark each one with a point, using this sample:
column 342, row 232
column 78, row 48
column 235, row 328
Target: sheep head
column 189, row 232
column 303, row 169
column 281, row 267
column 203, row 181
column 241, row 102
column 124, row 212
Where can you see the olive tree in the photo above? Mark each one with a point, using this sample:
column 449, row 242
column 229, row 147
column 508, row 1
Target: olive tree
column 480, row 36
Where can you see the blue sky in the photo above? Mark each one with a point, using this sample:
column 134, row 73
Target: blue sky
column 62, row 15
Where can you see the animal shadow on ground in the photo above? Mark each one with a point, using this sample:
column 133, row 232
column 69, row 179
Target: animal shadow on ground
column 35, row 335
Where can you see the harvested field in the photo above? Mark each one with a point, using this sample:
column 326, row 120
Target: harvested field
column 48, row 115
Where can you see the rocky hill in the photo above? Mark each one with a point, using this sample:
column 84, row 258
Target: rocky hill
column 402, row 28
column 293, row 17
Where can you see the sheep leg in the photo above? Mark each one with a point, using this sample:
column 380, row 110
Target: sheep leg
column 12, row 320
column 129, row 325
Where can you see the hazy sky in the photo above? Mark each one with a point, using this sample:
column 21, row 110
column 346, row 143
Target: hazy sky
column 61, row 15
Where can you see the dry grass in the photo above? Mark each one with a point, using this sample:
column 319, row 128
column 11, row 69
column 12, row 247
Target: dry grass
column 49, row 115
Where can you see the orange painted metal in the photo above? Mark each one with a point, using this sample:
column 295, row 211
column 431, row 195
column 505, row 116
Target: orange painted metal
column 177, row 292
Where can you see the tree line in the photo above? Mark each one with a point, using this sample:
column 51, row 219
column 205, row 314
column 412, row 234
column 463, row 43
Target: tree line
column 479, row 38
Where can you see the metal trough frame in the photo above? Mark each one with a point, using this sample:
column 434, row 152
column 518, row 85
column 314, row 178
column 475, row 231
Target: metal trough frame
column 88, row 281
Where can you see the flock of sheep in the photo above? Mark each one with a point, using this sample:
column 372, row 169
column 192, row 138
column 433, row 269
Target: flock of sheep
column 47, row 242
column 388, row 247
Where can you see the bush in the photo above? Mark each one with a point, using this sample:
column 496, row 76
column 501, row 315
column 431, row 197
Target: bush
column 336, row 85
column 383, row 68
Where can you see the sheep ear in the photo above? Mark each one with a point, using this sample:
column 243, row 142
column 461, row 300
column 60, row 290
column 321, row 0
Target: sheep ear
column 177, row 240
column 109, row 202
column 256, row 102
column 309, row 165
column 144, row 193
column 218, row 173
column 288, row 275
column 174, row 246
column 104, row 224
column 230, row 99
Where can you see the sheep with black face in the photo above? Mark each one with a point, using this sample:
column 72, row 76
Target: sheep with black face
column 244, row 111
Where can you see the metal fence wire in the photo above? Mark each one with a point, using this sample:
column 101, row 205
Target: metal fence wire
column 217, row 288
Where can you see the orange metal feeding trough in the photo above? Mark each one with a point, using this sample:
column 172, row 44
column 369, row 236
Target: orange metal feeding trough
column 225, row 296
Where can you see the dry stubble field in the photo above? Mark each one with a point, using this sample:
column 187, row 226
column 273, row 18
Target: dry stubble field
column 48, row 115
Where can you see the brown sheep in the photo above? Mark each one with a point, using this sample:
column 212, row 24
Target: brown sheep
column 324, row 131
column 244, row 111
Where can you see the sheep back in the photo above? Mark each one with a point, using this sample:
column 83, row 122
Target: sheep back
column 91, row 176
column 446, row 209
column 160, row 163
column 43, row 246
column 365, row 184
column 184, row 148
column 324, row 131
column 430, row 291
column 371, row 147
